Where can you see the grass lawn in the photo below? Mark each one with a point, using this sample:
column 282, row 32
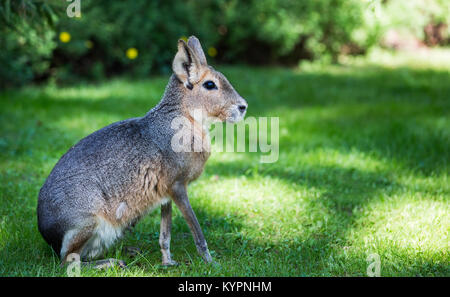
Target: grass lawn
column 363, row 169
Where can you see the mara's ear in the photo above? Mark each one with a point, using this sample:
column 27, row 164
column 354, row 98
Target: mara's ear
column 195, row 45
column 186, row 65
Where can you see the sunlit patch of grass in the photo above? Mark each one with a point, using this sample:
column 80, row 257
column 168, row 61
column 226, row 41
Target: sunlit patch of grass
column 407, row 230
column 402, row 223
column 363, row 168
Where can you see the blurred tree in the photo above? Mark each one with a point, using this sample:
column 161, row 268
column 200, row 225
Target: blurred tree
column 265, row 30
column 26, row 39
column 424, row 20
column 107, row 30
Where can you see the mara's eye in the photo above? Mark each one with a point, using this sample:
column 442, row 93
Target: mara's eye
column 209, row 85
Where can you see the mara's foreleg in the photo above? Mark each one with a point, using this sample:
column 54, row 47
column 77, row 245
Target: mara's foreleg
column 180, row 197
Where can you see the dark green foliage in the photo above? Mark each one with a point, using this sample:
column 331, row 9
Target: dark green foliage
column 101, row 37
column 232, row 31
column 269, row 29
column 261, row 32
column 25, row 39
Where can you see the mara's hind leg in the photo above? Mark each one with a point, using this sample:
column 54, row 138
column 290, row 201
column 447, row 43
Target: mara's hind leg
column 74, row 241
column 164, row 235
column 86, row 243
column 105, row 263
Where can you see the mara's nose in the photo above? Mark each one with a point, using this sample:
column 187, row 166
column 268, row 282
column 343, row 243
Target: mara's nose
column 242, row 108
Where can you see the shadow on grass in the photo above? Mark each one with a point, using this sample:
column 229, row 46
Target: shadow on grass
column 397, row 113
column 346, row 85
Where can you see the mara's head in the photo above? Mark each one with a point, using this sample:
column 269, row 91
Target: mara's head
column 205, row 89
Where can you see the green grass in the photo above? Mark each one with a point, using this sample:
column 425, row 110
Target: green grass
column 363, row 168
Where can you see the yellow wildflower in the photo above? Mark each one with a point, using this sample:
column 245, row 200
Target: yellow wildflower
column 64, row 37
column 132, row 53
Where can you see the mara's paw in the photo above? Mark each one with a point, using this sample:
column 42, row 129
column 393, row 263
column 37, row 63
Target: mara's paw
column 106, row 263
column 169, row 263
